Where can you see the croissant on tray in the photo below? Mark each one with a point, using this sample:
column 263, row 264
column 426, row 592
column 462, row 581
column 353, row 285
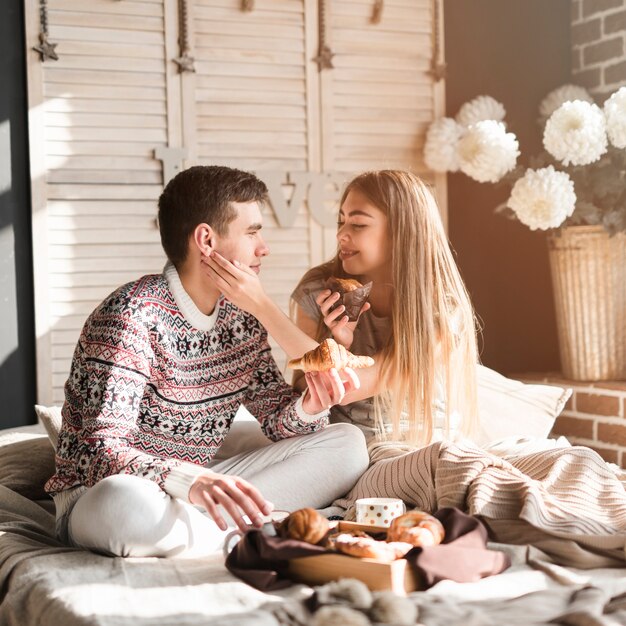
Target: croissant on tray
column 327, row 355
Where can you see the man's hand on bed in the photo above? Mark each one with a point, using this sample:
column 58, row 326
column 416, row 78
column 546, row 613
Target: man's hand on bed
column 236, row 495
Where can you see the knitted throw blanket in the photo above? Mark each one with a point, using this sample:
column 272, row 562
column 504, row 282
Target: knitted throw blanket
column 566, row 493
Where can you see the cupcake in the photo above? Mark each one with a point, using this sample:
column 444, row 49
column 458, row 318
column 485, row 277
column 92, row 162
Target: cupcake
column 353, row 295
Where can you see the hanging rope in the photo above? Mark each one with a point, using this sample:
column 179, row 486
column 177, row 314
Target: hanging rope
column 377, row 12
column 45, row 48
column 324, row 58
column 185, row 61
column 437, row 66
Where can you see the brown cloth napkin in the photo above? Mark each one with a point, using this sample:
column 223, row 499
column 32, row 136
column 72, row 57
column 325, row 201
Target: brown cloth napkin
column 261, row 560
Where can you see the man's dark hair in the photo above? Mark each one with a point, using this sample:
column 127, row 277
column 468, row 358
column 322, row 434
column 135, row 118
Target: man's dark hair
column 203, row 194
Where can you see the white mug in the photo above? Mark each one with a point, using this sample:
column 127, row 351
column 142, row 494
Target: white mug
column 267, row 528
column 378, row 511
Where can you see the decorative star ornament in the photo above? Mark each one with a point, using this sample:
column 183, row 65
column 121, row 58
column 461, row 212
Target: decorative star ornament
column 185, row 63
column 46, row 49
column 324, row 59
column 438, row 71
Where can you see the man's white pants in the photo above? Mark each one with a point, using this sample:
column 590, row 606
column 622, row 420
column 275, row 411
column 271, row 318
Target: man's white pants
column 125, row 515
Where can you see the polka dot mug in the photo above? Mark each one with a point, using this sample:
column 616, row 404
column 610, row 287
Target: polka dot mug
column 378, row 511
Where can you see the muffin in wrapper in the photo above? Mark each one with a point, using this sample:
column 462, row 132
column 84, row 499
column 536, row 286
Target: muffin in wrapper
column 353, row 295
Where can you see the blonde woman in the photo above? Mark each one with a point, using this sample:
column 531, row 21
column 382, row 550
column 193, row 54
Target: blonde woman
column 420, row 323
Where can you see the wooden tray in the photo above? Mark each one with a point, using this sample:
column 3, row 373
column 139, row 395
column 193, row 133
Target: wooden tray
column 397, row 576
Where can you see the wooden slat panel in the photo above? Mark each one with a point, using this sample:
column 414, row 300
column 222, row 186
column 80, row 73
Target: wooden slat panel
column 120, row 177
column 113, row 236
column 64, row 90
column 276, row 86
column 254, row 111
column 119, row 35
column 144, row 163
column 127, row 7
column 227, row 42
column 258, row 70
column 255, row 164
column 261, row 16
column 110, row 62
column 103, row 77
column 103, row 251
column 126, row 50
column 296, row 127
column 100, row 120
column 241, row 95
column 95, row 222
column 76, row 133
column 136, row 265
column 293, row 6
column 87, row 19
column 215, row 150
column 104, row 105
column 252, row 138
column 116, row 148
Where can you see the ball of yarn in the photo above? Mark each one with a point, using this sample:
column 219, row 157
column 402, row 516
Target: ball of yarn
column 389, row 608
column 335, row 615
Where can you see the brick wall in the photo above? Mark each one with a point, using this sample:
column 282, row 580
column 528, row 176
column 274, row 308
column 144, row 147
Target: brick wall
column 594, row 416
column 599, row 45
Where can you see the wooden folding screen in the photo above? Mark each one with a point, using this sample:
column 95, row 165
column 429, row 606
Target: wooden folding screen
column 114, row 104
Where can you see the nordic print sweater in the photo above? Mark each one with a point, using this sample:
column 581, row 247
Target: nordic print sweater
column 155, row 384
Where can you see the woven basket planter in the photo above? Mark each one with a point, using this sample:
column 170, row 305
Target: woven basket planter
column 589, row 280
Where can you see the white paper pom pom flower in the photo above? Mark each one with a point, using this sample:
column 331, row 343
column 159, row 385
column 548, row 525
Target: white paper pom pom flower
column 543, row 198
column 479, row 109
column 615, row 114
column 576, row 133
column 565, row 93
column 440, row 154
column 487, row 152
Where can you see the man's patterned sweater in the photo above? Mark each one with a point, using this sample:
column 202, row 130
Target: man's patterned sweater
column 155, row 384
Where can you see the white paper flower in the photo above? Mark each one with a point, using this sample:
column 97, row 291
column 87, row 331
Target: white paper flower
column 543, row 198
column 487, row 152
column 442, row 138
column 576, row 133
column 479, row 109
column 615, row 114
column 565, row 93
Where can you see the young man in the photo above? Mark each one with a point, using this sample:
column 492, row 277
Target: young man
column 161, row 368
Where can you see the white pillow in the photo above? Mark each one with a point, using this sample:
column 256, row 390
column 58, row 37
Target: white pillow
column 50, row 417
column 510, row 408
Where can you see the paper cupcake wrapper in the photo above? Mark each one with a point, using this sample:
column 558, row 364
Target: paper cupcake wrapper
column 354, row 301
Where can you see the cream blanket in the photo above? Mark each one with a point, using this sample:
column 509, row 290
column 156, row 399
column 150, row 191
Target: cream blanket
column 568, row 501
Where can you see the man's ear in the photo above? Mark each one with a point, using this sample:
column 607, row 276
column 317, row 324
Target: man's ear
column 204, row 238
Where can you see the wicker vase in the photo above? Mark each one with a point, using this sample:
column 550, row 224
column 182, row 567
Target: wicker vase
column 589, row 280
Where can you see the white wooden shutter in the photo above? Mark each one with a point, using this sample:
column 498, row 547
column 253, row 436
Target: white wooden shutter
column 250, row 100
column 256, row 101
column 102, row 110
column 380, row 97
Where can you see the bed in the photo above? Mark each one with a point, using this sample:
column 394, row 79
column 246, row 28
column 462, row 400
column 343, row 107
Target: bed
column 45, row 583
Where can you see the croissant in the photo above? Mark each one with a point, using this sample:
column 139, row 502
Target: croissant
column 304, row 525
column 327, row 355
column 417, row 528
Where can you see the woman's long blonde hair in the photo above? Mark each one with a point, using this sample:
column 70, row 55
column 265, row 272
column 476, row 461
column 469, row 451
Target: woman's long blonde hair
column 433, row 338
